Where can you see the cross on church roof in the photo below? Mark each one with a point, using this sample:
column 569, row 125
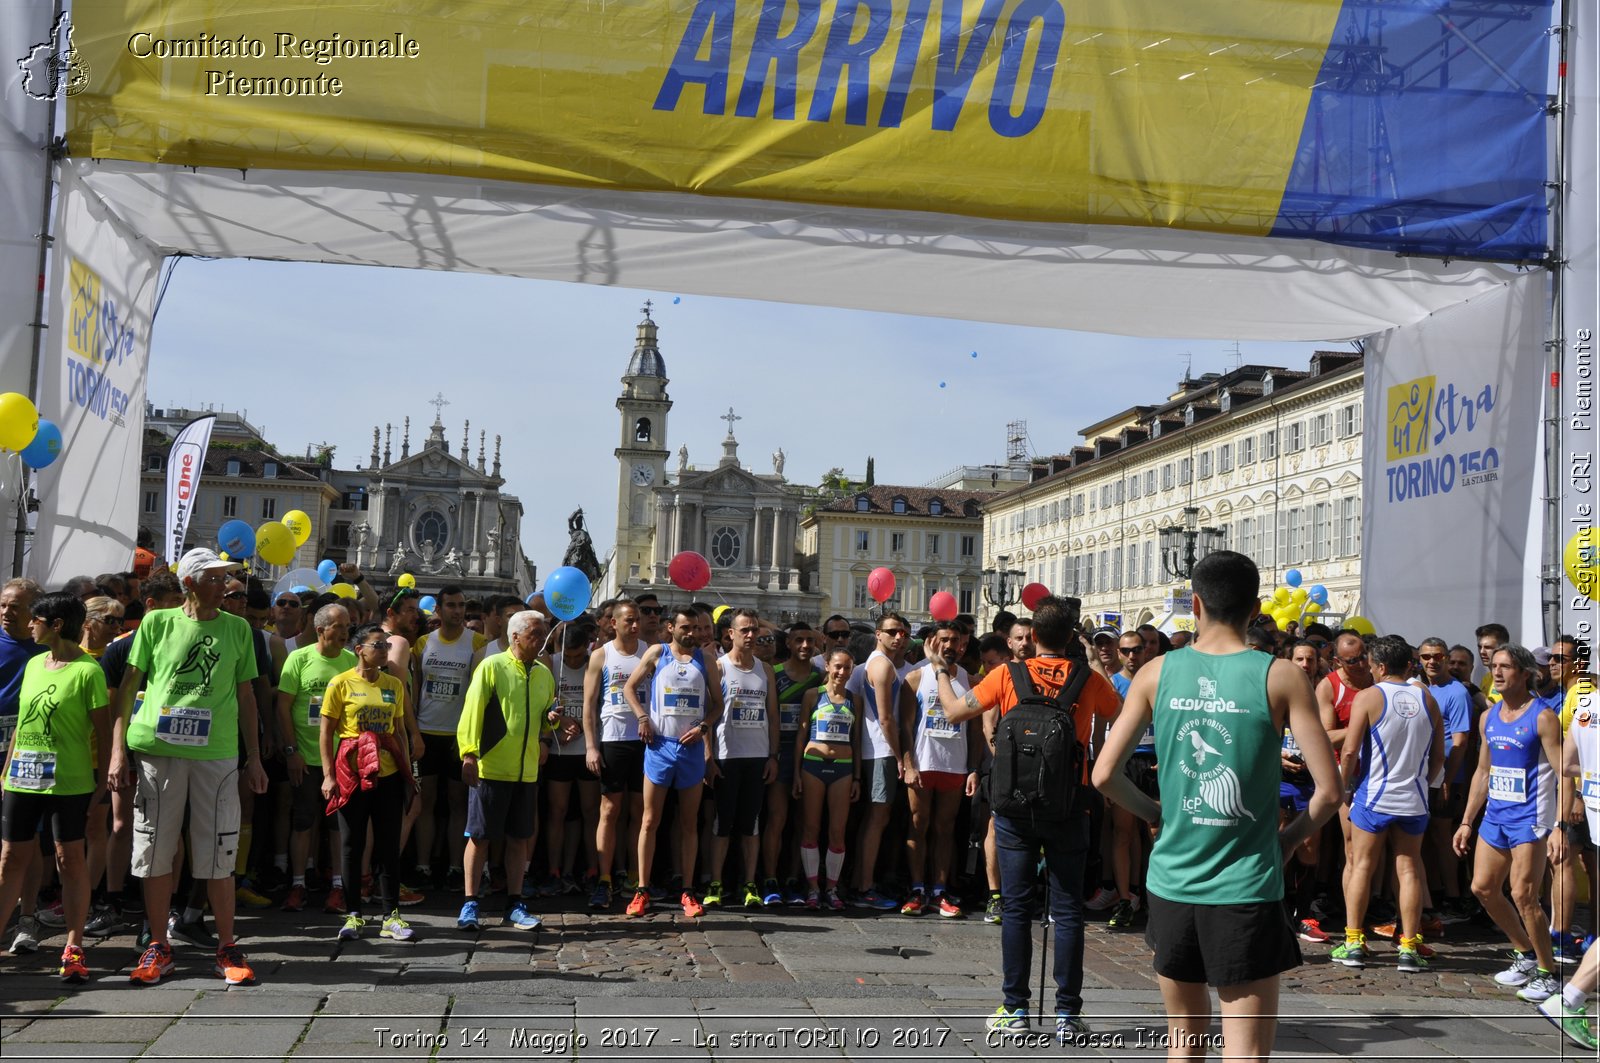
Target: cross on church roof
column 647, row 305
column 730, row 417
column 438, row 402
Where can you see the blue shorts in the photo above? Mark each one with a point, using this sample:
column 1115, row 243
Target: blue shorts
column 1293, row 797
column 1379, row 822
column 1509, row 836
column 667, row 762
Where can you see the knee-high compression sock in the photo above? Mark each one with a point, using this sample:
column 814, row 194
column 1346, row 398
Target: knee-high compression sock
column 835, row 865
column 808, row 862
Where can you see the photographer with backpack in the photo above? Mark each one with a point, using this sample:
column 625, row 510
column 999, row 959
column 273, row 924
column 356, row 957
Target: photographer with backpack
column 1047, row 708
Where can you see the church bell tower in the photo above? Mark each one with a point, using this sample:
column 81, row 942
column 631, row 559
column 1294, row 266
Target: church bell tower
column 641, row 455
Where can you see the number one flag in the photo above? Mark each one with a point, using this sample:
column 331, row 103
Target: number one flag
column 187, row 458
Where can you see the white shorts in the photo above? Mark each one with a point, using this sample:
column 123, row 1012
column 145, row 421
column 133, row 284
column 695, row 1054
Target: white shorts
column 209, row 789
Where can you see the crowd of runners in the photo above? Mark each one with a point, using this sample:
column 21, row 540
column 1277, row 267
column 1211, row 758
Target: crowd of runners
column 186, row 744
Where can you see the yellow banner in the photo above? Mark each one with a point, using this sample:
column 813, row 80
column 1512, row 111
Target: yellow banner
column 1144, row 112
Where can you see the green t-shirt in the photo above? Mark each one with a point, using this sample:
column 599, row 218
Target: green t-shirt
column 192, row 674
column 54, row 744
column 305, row 675
column 1218, row 766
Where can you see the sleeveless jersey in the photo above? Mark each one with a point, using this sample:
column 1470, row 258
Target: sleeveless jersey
column 446, row 669
column 617, row 722
column 873, row 745
column 1394, row 758
column 938, row 744
column 742, row 732
column 1344, row 695
column 1217, row 756
column 1522, row 783
column 790, row 694
column 677, row 694
column 1586, row 736
column 830, row 722
column 569, row 699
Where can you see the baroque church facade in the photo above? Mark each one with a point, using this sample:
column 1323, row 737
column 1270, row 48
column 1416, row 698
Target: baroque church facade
column 745, row 523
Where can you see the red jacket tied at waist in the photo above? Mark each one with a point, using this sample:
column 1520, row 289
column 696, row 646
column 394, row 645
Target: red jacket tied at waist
column 357, row 765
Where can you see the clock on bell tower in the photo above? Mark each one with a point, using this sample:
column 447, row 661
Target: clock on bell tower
column 641, row 455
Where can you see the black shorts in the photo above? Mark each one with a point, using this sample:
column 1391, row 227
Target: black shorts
column 1220, row 944
column 622, row 767
column 498, row 810
column 65, row 816
column 440, row 756
column 786, row 743
column 1141, row 769
column 571, row 768
column 738, row 796
column 306, row 803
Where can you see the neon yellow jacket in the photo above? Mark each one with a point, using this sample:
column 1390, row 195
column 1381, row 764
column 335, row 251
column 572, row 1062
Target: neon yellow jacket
column 505, row 717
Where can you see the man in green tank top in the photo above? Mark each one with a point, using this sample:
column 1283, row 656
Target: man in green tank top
column 1216, row 873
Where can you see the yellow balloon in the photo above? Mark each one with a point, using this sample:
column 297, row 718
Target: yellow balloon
column 1361, row 625
column 343, row 590
column 1581, row 559
column 19, row 421
column 716, row 614
column 1298, row 595
column 406, row 580
column 299, row 525
column 1281, row 595
column 275, row 543
column 1312, row 608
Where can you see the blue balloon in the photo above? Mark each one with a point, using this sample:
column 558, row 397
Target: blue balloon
column 238, row 539
column 1292, row 577
column 299, row 588
column 45, row 448
column 326, row 570
column 1318, row 594
column 427, row 603
column 567, row 592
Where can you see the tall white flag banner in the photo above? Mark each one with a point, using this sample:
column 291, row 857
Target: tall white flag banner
column 92, row 384
column 1580, row 253
column 1449, row 507
column 184, row 462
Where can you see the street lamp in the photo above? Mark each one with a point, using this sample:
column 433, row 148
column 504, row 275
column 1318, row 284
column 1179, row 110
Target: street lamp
column 1183, row 545
column 1002, row 585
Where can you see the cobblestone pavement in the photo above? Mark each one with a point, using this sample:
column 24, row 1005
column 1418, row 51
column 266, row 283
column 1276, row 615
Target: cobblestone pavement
column 733, row 985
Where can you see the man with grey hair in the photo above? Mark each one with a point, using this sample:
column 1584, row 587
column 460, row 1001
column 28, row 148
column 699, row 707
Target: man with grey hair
column 305, row 676
column 508, row 714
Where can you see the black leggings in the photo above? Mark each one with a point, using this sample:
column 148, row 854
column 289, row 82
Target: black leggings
column 385, row 805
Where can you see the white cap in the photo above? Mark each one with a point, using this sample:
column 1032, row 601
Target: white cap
column 201, row 560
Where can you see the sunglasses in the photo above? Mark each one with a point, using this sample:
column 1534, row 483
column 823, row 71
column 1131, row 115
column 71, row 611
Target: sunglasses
column 650, row 610
column 235, row 596
column 1433, row 657
column 289, row 603
column 843, row 634
column 1559, row 658
column 1125, row 650
column 1351, row 662
column 381, row 644
column 766, row 640
column 893, row 631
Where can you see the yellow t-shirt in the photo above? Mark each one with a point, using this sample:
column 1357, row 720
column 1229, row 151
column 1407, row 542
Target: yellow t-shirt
column 1490, row 694
column 358, row 705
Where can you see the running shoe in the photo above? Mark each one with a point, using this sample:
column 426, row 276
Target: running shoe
column 994, row 910
column 396, row 928
column 834, row 902
column 713, row 897
column 1432, row 924
column 691, row 907
column 520, row 918
column 351, row 931
column 657, row 893
column 771, row 894
column 154, row 965
column 1309, row 930
column 1574, row 1022
column 1102, row 899
column 947, row 908
column 334, row 903
column 247, row 896
column 794, row 895
column 1539, row 988
column 1070, row 1028
column 640, row 903
column 409, row 898
column 74, row 969
column 550, row 886
column 915, row 904
column 193, row 933
column 52, row 916
column 813, row 900
column 233, row 968
column 103, row 921
column 871, row 898
column 1008, row 1020
column 752, row 896
column 1350, row 954
column 571, row 887
column 600, row 896
column 296, row 900
column 1411, row 961
column 1123, row 915
column 468, row 919
column 1389, row 930
column 1523, row 966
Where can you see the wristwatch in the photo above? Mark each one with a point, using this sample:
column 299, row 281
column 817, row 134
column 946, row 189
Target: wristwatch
column 290, row 750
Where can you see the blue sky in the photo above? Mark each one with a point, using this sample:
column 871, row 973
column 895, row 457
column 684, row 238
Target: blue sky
column 322, row 353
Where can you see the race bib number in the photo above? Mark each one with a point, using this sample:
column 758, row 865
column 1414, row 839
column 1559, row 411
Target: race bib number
column 184, row 725
column 1591, row 790
column 747, row 711
column 789, row 716
column 614, row 703
column 443, row 688
column 314, row 711
column 1148, row 739
column 572, row 703
column 831, row 725
column 680, row 701
column 32, row 769
column 1508, row 784
column 937, row 724
column 8, row 727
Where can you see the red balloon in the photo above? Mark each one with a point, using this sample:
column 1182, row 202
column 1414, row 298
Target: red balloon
column 689, row 570
column 880, row 584
column 942, row 606
column 1033, row 594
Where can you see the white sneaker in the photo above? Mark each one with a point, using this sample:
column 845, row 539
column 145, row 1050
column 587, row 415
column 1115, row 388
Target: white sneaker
column 1102, row 899
column 1523, row 965
column 28, row 933
column 1541, row 987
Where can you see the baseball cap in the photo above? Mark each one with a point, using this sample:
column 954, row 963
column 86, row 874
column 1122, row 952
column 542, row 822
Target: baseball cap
column 1541, row 656
column 1106, row 631
column 200, row 560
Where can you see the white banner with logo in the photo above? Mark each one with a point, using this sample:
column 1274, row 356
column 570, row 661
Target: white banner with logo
column 1449, row 464
column 184, row 464
column 92, row 384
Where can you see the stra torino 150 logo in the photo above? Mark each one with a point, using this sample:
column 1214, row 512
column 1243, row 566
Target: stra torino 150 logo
column 54, row 66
